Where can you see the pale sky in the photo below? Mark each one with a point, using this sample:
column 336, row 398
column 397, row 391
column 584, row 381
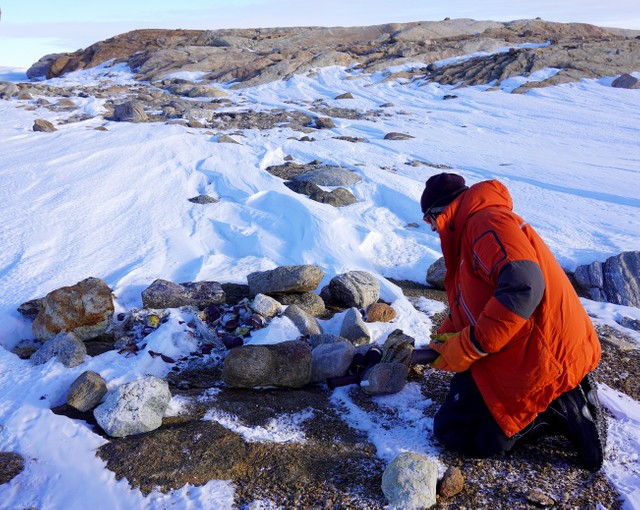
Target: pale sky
column 30, row 29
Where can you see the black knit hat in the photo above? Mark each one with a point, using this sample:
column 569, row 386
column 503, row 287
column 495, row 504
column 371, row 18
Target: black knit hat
column 440, row 191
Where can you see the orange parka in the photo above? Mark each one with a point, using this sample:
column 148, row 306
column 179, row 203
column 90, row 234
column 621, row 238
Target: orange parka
column 503, row 282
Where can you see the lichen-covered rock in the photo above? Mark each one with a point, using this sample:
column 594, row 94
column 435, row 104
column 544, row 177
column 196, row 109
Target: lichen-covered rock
column 66, row 347
column 166, row 294
column 8, row 90
column 339, row 197
column 86, row 391
column 286, row 364
column 85, row 308
column 134, row 408
column 330, row 176
column 380, row 312
column 409, row 482
column 355, row 288
column 283, row 279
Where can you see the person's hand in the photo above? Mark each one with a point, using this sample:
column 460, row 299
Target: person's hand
column 457, row 352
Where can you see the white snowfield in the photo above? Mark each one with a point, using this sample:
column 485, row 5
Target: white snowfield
column 114, row 205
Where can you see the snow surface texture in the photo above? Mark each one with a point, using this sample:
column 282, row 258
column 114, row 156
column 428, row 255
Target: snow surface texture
column 80, row 202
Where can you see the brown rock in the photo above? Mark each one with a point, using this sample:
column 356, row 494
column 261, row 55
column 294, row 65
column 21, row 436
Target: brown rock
column 11, row 465
column 452, row 482
column 86, row 309
column 43, row 126
column 380, row 312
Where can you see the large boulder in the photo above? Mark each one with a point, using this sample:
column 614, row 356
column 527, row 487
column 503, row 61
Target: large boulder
column 339, row 197
column 355, row 288
column 617, row 280
column 134, row 408
column 626, row 81
column 286, row 364
column 66, row 347
column 86, row 309
column 266, row 306
column 284, row 279
column 410, row 481
column 385, row 378
column 166, row 294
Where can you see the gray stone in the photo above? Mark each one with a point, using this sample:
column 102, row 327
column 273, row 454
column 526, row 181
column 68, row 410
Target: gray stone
column 339, row 197
column 203, row 200
column 204, row 91
column 398, row 348
column 324, row 338
column 397, row 136
column 331, row 360
column 330, row 176
column 346, row 95
column 308, row 301
column 43, row 126
column 8, row 90
column 436, row 274
column 266, row 306
column 307, row 324
column 67, row 348
column 285, row 279
column 131, row 111
column 617, row 280
column 227, row 139
column 166, row 294
column 134, row 408
column 286, row 364
column 385, row 378
column 86, row 391
column 85, row 308
column 354, row 328
column 355, row 288
column 303, row 187
column 409, row 482
column 626, row 81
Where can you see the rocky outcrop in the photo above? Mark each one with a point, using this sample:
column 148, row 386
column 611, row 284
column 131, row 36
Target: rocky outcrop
column 617, row 280
column 248, row 57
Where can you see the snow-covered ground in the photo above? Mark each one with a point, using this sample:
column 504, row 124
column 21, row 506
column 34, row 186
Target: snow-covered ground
column 113, row 204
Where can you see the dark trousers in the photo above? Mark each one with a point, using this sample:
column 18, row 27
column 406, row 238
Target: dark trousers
column 463, row 424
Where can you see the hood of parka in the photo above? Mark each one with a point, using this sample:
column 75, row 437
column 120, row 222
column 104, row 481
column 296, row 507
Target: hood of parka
column 452, row 220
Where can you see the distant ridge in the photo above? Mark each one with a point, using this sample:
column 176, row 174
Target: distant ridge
column 254, row 56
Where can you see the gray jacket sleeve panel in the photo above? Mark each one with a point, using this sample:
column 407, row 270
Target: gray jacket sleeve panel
column 520, row 287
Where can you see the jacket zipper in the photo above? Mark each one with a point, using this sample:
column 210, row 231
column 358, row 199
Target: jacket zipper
column 464, row 306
